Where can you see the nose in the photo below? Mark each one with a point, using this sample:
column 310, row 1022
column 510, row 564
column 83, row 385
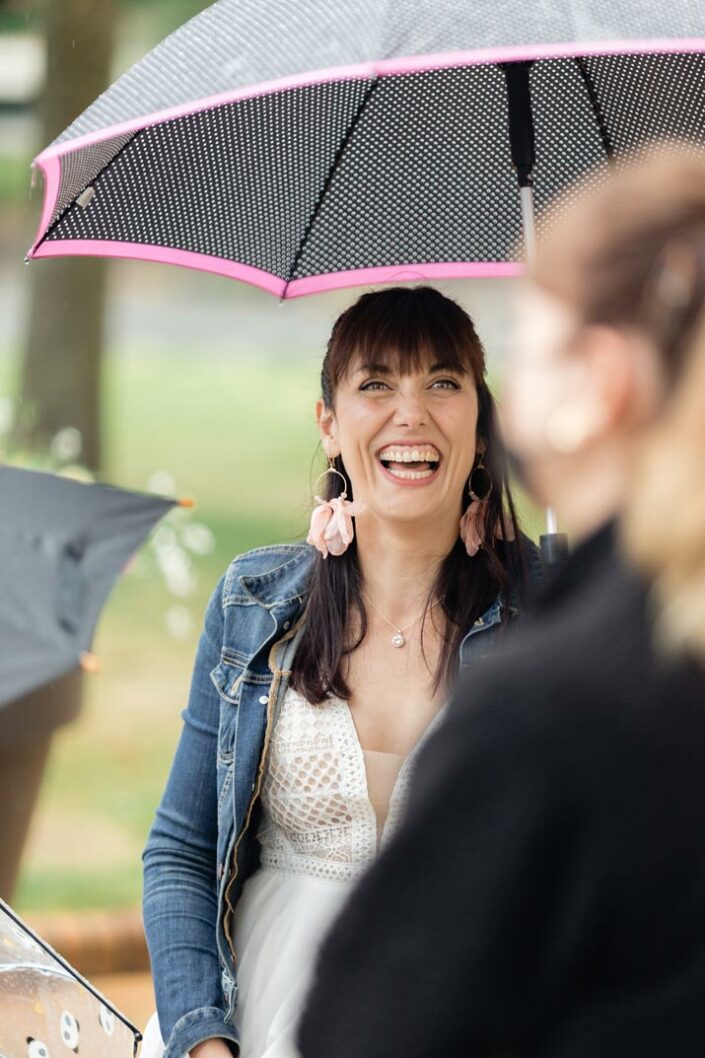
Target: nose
column 410, row 410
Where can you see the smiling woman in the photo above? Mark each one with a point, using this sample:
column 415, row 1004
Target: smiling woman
column 321, row 670
column 408, row 420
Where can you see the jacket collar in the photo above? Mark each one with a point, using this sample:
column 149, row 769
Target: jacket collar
column 289, row 582
column 285, row 583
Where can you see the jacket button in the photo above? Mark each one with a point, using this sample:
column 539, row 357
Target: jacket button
column 263, row 699
column 287, row 624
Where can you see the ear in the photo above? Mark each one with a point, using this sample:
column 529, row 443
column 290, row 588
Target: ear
column 325, row 420
column 601, row 390
column 612, row 370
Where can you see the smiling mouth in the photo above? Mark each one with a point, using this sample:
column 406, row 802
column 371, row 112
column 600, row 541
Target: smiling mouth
column 410, row 462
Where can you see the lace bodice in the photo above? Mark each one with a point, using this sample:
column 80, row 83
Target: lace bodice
column 318, row 819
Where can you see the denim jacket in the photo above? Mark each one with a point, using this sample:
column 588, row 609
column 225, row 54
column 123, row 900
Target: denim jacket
column 201, row 845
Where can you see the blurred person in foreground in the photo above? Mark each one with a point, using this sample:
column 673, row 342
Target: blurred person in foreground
column 546, row 894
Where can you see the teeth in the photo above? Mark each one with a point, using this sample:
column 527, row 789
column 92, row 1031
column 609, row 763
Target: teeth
column 411, row 474
column 423, row 454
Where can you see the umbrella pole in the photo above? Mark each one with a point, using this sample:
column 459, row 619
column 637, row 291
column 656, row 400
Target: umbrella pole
column 554, row 545
column 527, row 222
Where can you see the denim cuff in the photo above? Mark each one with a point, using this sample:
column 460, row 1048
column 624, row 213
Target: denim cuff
column 206, row 1023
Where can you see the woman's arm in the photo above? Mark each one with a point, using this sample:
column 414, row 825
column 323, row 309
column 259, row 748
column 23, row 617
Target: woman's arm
column 180, row 889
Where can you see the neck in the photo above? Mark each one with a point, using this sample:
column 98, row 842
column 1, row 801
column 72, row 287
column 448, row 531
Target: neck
column 399, row 563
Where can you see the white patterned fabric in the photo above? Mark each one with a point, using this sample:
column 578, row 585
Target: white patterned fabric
column 318, row 817
column 234, row 43
column 319, row 832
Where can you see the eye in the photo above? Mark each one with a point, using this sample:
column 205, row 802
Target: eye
column 445, row 383
column 373, row 384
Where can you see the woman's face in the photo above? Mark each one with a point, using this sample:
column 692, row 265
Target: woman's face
column 574, row 399
column 538, row 375
column 407, row 440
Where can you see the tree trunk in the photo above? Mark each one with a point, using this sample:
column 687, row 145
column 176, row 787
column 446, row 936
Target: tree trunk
column 61, row 371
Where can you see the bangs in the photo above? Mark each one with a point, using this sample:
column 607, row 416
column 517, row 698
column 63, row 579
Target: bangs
column 405, row 330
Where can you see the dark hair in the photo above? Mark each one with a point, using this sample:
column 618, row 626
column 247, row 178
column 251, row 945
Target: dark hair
column 406, row 327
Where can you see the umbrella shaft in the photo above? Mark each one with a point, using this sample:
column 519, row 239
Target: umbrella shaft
column 528, row 223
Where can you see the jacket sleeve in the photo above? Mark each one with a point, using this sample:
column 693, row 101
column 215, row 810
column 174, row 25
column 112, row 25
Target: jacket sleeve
column 457, row 940
column 180, row 888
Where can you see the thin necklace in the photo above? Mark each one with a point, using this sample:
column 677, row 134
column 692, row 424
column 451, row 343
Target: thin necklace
column 398, row 639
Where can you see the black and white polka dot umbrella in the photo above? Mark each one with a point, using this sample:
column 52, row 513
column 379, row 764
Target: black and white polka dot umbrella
column 308, row 145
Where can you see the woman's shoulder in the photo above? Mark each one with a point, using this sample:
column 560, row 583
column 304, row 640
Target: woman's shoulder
column 287, row 565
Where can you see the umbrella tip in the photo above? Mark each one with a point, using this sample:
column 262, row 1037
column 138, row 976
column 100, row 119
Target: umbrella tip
column 89, row 662
column 187, row 502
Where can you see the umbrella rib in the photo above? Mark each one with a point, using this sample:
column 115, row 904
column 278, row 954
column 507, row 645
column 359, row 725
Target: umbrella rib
column 97, row 176
column 342, row 147
column 596, row 106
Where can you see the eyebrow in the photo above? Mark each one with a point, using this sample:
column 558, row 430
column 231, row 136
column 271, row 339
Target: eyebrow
column 384, row 369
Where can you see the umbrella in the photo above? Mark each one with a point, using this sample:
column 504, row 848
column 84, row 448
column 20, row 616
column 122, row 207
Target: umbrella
column 306, row 146
column 317, row 145
column 47, row 1009
column 62, row 545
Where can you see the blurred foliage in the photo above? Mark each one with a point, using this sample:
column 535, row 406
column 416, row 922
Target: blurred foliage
column 14, row 179
column 22, row 16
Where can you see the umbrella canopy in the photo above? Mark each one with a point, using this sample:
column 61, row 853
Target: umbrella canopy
column 313, row 145
column 62, row 546
column 47, row 1009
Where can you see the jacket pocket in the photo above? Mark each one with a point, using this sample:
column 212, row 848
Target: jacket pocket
column 227, row 679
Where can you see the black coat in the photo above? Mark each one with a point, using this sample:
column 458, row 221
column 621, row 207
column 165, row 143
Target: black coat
column 546, row 895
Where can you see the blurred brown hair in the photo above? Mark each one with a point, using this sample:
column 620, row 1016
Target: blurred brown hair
column 632, row 254
column 664, row 525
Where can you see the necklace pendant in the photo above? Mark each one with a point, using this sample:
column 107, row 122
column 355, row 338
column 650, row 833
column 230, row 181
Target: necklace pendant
column 398, row 640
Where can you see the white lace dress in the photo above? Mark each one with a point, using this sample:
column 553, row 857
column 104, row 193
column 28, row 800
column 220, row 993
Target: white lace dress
column 327, row 806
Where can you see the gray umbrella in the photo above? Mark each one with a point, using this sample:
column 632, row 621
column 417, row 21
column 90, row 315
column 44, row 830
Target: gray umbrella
column 62, row 546
column 301, row 146
column 47, row 1010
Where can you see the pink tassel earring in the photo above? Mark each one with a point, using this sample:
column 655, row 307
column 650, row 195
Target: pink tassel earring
column 472, row 524
column 331, row 531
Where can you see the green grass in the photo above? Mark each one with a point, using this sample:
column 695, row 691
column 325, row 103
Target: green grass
column 79, row 889
column 15, row 178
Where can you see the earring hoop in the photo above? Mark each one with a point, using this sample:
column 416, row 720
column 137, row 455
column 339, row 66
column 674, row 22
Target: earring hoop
column 330, row 469
column 480, row 482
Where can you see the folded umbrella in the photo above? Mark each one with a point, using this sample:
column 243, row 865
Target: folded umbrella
column 47, row 1010
column 63, row 544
